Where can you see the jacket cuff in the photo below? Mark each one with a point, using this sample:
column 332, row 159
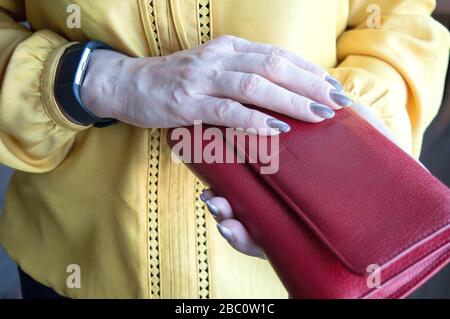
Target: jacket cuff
column 47, row 90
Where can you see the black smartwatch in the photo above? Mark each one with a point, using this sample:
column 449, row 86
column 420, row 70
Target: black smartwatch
column 70, row 75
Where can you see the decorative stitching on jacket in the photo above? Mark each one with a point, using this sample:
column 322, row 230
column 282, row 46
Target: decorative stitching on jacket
column 204, row 10
column 155, row 136
column 200, row 208
column 154, row 270
column 202, row 250
column 151, row 10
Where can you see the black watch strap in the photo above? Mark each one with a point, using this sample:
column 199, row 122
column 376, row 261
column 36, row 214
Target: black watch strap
column 70, row 75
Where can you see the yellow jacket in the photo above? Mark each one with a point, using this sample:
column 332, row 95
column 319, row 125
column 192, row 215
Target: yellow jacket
column 110, row 200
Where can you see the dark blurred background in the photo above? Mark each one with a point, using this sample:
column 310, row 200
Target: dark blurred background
column 435, row 156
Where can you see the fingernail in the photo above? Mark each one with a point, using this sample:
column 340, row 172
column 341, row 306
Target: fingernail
column 323, row 111
column 334, row 83
column 341, row 99
column 277, row 124
column 213, row 209
column 225, row 232
column 203, row 197
column 262, row 255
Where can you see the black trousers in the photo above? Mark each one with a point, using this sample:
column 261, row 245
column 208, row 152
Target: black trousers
column 31, row 289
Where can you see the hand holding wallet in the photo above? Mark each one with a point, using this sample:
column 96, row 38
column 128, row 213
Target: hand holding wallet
column 345, row 202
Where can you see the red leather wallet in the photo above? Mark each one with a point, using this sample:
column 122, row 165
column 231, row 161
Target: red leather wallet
column 345, row 201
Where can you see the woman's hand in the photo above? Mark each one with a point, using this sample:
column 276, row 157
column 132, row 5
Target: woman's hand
column 211, row 83
column 230, row 228
column 233, row 230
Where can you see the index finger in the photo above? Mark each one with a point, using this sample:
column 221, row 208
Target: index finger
column 245, row 46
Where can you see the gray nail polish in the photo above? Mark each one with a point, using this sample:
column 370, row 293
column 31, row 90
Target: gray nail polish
column 341, row 99
column 213, row 209
column 262, row 255
column 334, row 83
column 203, row 198
column 225, row 232
column 322, row 110
column 277, row 124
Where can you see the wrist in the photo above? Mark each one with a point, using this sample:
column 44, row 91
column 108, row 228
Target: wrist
column 97, row 90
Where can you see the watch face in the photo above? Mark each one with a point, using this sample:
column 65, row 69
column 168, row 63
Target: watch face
column 82, row 66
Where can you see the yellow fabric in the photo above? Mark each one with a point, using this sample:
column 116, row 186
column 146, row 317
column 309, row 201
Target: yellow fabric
column 110, row 200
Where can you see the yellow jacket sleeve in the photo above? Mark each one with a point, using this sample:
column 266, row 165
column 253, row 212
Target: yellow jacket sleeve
column 395, row 64
column 34, row 134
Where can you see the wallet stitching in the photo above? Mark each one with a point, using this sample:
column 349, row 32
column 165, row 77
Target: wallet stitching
column 439, row 244
column 425, row 273
column 317, row 228
column 416, row 241
column 429, row 251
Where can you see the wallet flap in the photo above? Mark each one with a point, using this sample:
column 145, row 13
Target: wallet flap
column 365, row 198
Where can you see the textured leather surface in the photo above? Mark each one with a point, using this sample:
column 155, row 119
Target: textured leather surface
column 345, row 197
